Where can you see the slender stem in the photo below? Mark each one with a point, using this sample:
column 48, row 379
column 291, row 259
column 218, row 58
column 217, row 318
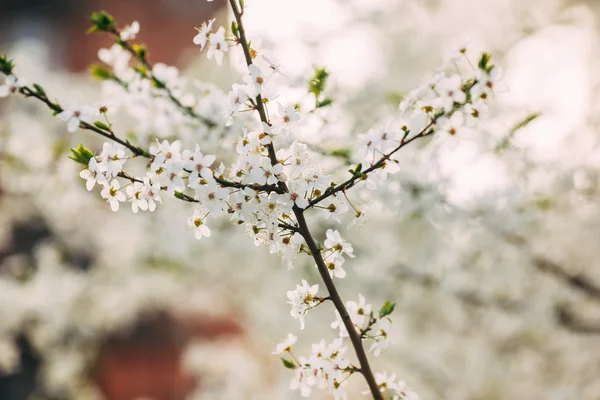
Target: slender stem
column 365, row 368
column 27, row 92
column 260, row 106
column 162, row 85
column 380, row 163
column 138, row 151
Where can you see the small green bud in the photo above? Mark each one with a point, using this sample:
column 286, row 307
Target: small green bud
column 140, row 50
column 100, row 72
column 39, row 90
column 324, row 103
column 484, row 62
column 140, row 69
column 357, row 171
column 317, row 83
column 102, row 22
column 6, row 65
column 102, row 125
column 81, row 155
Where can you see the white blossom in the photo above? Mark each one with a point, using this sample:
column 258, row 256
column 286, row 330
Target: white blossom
column 301, row 299
column 203, row 33
column 75, row 114
column 197, row 222
column 11, row 85
column 130, row 31
column 335, row 242
column 111, row 192
column 286, row 344
column 217, row 45
column 112, row 158
column 95, row 172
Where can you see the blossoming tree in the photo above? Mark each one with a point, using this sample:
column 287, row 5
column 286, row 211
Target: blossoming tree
column 271, row 184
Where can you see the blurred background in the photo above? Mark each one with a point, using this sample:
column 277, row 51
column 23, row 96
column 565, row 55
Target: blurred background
column 490, row 249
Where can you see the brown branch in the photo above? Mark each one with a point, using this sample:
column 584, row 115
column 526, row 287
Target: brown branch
column 260, row 106
column 569, row 320
column 137, row 151
column 27, row 92
column 365, row 368
column 380, row 163
column 577, row 281
column 160, row 84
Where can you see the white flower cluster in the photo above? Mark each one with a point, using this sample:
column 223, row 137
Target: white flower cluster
column 336, row 247
column 11, row 85
column 154, row 96
column 302, row 299
column 366, row 324
column 271, row 182
column 217, row 45
column 263, row 186
column 334, row 371
column 325, row 368
column 392, row 389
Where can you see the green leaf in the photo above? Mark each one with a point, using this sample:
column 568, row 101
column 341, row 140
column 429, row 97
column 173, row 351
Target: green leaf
column 234, row 28
column 179, row 195
column 324, row 103
column 344, row 153
column 241, row 5
column 288, row 363
column 102, row 125
column 100, row 72
column 386, row 309
column 317, row 83
column 81, row 155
